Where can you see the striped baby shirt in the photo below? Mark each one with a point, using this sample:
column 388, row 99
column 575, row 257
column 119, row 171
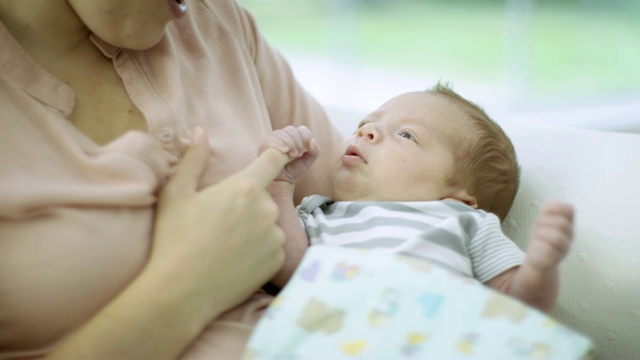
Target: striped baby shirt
column 447, row 232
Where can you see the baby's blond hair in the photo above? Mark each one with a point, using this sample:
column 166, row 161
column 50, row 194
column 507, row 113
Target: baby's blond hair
column 486, row 163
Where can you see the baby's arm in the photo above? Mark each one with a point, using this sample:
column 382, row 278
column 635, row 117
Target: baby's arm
column 303, row 151
column 537, row 281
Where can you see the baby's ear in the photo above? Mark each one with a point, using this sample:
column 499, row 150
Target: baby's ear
column 464, row 197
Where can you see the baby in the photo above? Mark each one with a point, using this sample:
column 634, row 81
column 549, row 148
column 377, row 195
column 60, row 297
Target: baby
column 428, row 174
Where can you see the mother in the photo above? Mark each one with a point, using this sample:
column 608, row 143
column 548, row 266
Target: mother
column 103, row 252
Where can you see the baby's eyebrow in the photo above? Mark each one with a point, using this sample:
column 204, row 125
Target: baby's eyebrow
column 370, row 118
column 363, row 122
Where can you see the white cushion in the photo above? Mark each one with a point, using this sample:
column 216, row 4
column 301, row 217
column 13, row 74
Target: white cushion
column 599, row 173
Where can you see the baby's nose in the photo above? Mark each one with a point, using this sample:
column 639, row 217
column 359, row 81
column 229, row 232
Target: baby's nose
column 368, row 132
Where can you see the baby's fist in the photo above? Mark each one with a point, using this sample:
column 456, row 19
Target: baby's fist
column 298, row 144
column 551, row 236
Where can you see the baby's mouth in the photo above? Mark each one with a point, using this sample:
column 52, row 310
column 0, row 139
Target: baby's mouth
column 353, row 151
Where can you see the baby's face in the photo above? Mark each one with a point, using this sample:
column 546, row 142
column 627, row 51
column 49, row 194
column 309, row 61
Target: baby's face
column 403, row 151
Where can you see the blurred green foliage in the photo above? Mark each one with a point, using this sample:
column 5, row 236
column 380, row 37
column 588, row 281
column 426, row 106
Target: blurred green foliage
column 577, row 48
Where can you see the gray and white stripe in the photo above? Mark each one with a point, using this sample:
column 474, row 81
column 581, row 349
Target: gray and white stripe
column 448, row 232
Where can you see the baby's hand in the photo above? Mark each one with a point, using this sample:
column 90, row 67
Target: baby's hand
column 299, row 145
column 551, row 236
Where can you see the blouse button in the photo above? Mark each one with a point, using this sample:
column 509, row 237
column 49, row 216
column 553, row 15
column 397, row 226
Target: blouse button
column 166, row 134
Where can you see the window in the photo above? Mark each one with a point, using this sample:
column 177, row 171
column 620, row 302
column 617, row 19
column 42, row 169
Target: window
column 570, row 62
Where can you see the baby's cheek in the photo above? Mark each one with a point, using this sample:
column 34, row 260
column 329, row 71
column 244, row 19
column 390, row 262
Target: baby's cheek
column 339, row 150
column 409, row 170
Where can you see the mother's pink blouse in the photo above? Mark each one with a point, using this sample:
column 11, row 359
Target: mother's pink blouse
column 76, row 218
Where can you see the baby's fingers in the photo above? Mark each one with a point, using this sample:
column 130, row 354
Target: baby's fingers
column 555, row 215
column 561, row 224
column 550, row 246
column 298, row 139
column 556, row 237
column 556, row 208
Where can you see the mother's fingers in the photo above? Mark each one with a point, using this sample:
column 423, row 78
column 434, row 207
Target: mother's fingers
column 186, row 178
column 265, row 168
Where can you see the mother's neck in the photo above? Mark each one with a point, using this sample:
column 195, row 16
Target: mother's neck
column 44, row 28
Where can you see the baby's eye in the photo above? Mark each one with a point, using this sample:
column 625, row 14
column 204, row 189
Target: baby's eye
column 406, row 135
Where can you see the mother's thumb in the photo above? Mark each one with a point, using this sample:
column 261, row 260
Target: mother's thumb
column 193, row 165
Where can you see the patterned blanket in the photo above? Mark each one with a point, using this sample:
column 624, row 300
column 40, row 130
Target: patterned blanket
column 345, row 303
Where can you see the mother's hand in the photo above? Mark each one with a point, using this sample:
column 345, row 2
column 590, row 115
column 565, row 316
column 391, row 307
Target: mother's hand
column 219, row 244
column 212, row 249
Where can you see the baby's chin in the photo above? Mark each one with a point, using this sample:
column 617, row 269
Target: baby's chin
column 345, row 195
column 353, row 191
column 353, row 194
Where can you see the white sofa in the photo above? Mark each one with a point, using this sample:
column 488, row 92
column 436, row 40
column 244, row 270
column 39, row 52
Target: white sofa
column 599, row 173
